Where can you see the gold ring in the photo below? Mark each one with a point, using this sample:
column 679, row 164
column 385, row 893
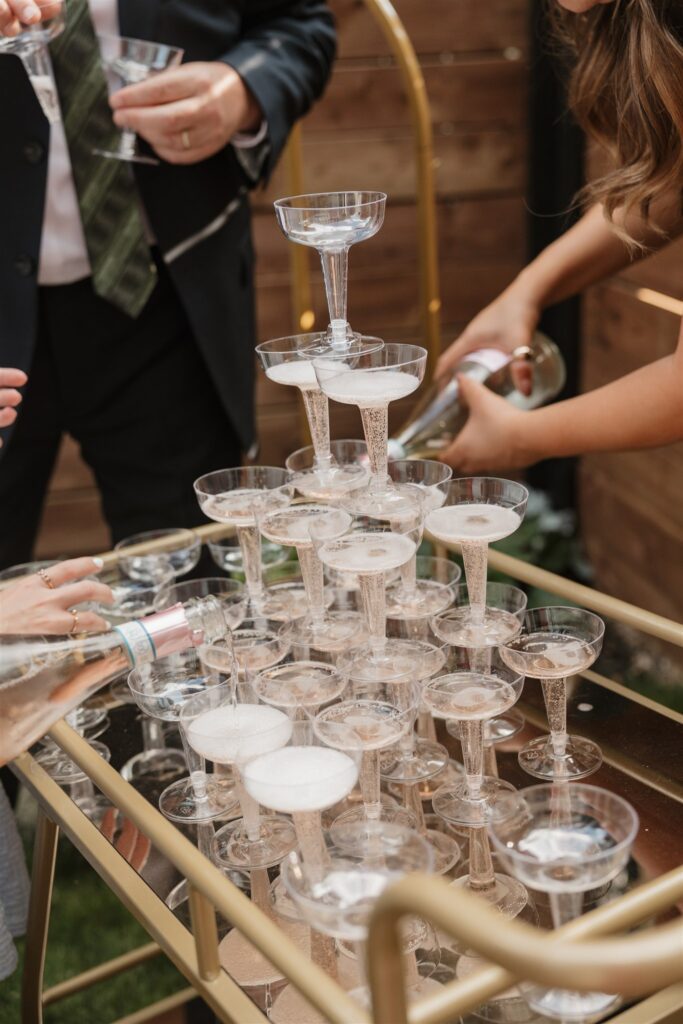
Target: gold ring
column 45, row 577
column 74, row 614
column 185, row 137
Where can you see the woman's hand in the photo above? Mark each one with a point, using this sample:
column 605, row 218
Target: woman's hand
column 30, row 606
column 493, row 438
column 10, row 398
column 16, row 15
column 188, row 113
column 507, row 323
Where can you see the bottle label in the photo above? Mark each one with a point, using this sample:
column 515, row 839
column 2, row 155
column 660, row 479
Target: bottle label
column 138, row 642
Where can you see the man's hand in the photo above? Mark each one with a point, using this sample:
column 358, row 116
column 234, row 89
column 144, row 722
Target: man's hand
column 10, row 398
column 16, row 15
column 188, row 113
column 492, row 438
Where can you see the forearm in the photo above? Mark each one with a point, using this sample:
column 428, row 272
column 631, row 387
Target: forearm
column 642, row 410
column 591, row 251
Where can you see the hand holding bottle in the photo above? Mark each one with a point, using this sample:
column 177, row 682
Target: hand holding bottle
column 492, row 439
column 507, row 323
column 41, row 603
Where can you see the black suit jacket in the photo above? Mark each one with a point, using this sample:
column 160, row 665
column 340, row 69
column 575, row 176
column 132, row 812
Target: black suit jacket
column 283, row 49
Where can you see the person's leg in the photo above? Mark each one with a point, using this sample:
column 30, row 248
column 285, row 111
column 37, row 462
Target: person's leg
column 146, row 413
column 26, row 463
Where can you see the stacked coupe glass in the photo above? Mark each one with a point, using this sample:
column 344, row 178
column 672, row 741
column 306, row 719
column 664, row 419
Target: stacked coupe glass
column 310, row 732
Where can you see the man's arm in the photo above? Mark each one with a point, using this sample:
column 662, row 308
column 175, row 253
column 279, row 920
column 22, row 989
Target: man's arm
column 284, row 57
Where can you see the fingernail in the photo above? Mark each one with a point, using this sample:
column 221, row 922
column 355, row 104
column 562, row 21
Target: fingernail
column 30, row 13
column 99, row 562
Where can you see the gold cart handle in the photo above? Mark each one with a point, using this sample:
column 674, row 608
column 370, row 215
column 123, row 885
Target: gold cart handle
column 630, row 966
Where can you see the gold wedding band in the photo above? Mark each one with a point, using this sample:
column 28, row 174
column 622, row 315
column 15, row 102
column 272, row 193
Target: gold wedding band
column 185, row 137
column 45, row 577
column 74, row 614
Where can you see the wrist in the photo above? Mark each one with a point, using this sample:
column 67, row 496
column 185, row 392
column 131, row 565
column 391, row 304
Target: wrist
column 252, row 115
column 526, row 439
column 529, row 291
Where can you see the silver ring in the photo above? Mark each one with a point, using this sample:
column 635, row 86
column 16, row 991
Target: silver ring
column 522, row 352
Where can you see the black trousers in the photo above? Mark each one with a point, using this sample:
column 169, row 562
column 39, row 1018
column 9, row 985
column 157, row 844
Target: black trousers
column 137, row 397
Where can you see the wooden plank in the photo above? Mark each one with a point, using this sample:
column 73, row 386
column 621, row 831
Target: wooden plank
column 634, row 558
column 466, row 163
column 485, row 92
column 470, row 230
column 663, row 272
column 621, row 334
column 439, row 26
column 380, row 302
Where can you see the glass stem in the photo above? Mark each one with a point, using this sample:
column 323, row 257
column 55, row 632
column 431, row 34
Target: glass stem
column 127, row 143
column 370, row 784
column 480, row 659
column 411, row 975
column 490, row 760
column 197, row 770
column 472, row 742
column 426, row 729
column 375, row 422
column 260, row 890
column 406, row 744
column 412, row 801
column 565, row 907
column 204, row 837
column 251, row 812
column 314, row 583
column 152, row 734
column 373, row 595
column 318, row 415
column 555, row 697
column 309, row 834
column 335, row 272
column 324, row 953
column 482, row 877
column 249, row 538
column 409, row 578
column 475, row 559
column 80, row 791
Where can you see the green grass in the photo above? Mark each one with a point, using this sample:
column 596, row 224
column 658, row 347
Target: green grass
column 87, row 926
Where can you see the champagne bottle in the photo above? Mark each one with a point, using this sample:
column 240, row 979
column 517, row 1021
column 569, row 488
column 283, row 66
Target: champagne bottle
column 441, row 415
column 42, row 679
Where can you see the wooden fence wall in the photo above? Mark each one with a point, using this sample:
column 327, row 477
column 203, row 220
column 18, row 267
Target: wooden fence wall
column 631, row 504
column 473, row 58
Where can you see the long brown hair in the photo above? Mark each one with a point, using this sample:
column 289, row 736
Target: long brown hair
column 626, row 91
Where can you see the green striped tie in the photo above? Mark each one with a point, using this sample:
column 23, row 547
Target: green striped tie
column 122, row 267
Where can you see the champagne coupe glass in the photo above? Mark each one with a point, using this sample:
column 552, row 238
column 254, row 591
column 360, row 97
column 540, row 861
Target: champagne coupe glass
column 290, row 361
column 504, row 608
column 303, row 780
column 332, row 222
column 225, row 725
column 432, row 576
column 373, row 717
column 557, row 642
column 161, row 689
column 299, row 685
column 323, row 630
column 339, row 900
column 566, row 840
column 31, row 46
column 372, row 381
column 349, row 457
column 239, row 497
column 127, row 62
column 227, row 555
column 174, row 551
column 133, row 598
column 258, row 644
column 371, row 551
column 472, row 697
column 230, row 594
column 419, row 598
column 477, row 512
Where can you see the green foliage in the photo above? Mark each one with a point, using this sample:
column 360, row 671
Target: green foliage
column 88, row 925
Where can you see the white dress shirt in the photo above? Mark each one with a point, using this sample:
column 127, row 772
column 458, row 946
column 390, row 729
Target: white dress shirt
column 63, row 251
